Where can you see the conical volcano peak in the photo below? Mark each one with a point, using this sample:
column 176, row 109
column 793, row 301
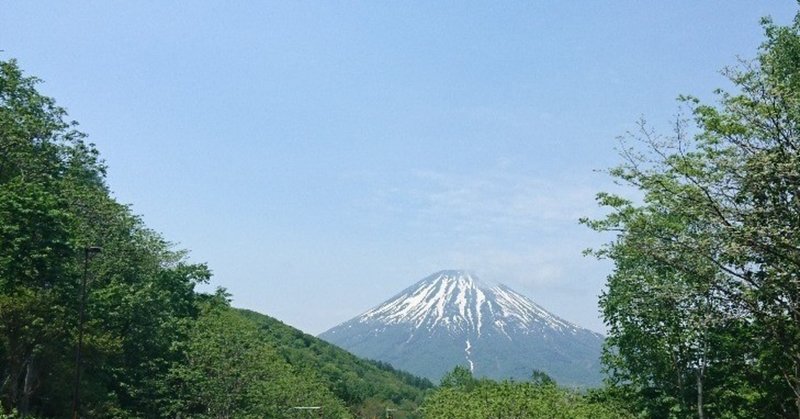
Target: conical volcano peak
column 451, row 317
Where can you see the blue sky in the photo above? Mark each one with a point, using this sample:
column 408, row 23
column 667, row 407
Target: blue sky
column 322, row 156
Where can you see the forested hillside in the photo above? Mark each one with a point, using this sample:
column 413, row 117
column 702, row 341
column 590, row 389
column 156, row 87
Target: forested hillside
column 367, row 387
column 229, row 368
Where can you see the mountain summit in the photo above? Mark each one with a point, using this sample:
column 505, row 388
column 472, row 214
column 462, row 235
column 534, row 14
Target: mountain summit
column 452, row 318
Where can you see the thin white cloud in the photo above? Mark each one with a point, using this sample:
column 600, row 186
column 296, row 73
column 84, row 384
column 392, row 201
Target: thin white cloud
column 497, row 199
column 507, row 226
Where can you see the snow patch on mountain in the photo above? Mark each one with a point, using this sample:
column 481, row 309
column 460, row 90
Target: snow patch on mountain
column 460, row 301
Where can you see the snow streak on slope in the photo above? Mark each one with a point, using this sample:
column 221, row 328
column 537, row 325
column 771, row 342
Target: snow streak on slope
column 471, row 364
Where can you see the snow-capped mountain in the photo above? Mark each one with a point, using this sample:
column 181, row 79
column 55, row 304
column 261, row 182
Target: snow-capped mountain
column 452, row 318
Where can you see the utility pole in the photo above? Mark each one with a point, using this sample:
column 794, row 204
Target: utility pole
column 88, row 252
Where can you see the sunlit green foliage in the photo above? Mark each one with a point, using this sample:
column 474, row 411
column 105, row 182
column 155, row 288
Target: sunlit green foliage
column 703, row 306
column 462, row 396
column 53, row 204
column 232, row 370
column 367, row 387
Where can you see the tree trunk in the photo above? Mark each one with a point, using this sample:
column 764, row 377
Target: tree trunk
column 27, row 387
column 797, row 384
column 13, row 384
column 701, row 372
column 700, row 413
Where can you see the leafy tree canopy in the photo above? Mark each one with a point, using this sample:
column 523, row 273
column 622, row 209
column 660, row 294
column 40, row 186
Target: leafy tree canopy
column 703, row 306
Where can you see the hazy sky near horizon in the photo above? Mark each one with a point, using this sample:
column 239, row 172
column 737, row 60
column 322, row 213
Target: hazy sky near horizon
column 322, row 156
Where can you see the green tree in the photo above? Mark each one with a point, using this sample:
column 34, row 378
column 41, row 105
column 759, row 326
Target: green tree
column 37, row 244
column 460, row 378
column 703, row 306
column 54, row 203
column 541, row 378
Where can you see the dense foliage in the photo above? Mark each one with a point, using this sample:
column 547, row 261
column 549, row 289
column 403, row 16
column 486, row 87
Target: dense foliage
column 703, row 306
column 367, row 387
column 150, row 345
column 233, row 370
column 53, row 205
column 463, row 396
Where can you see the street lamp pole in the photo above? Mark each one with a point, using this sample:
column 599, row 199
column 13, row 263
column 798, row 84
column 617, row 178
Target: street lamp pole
column 88, row 252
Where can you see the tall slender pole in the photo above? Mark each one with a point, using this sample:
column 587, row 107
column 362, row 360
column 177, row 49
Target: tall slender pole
column 87, row 251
